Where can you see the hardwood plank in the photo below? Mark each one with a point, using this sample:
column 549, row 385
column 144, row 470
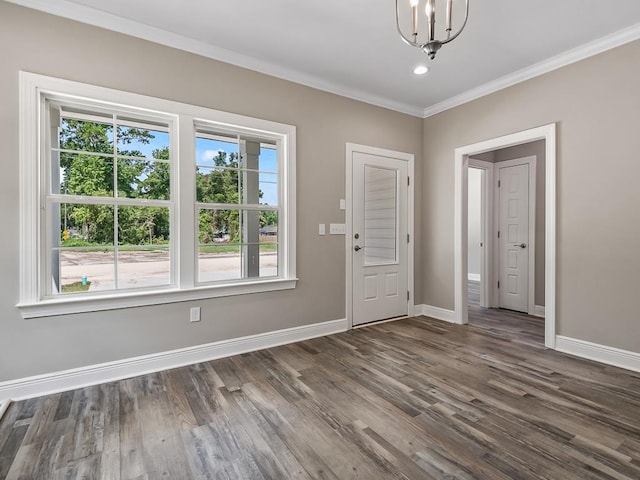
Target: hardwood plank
column 131, row 447
column 9, row 452
column 411, row 399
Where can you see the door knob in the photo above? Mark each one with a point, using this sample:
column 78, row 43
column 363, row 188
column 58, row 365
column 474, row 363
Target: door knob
column 522, row 245
column 357, row 248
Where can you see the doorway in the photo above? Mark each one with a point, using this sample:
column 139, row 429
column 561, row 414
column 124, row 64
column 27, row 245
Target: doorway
column 544, row 286
column 502, row 222
column 379, row 234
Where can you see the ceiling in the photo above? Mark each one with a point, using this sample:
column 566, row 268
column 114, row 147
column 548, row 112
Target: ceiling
column 351, row 47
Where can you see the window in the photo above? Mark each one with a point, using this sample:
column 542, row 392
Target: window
column 237, row 205
column 130, row 200
column 107, row 204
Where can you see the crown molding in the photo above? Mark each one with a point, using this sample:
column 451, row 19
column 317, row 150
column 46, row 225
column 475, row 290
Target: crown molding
column 91, row 16
column 587, row 50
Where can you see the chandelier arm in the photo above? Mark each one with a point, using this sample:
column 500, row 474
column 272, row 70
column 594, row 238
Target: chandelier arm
column 464, row 24
column 405, row 39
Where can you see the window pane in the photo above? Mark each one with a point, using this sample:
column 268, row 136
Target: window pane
column 268, row 189
column 237, row 244
column 143, row 179
column 142, row 266
column 216, row 185
column 83, row 269
column 216, row 150
column 268, row 226
column 219, row 262
column 82, row 225
column 268, row 160
column 218, row 226
column 268, row 259
column 259, row 188
column 380, row 217
column 143, row 226
column 82, row 257
column 86, row 136
column 82, row 175
column 143, row 142
column 143, row 247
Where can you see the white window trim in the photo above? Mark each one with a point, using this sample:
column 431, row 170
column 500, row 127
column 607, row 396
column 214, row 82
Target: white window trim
column 32, row 304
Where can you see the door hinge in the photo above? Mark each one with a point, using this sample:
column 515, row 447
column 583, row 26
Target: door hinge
column 407, row 294
column 498, row 183
column 408, row 181
column 407, row 238
column 498, row 233
column 498, row 283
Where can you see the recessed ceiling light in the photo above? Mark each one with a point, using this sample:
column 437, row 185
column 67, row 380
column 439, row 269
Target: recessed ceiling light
column 421, row 70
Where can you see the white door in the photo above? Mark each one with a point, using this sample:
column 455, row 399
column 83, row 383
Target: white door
column 380, row 237
column 513, row 205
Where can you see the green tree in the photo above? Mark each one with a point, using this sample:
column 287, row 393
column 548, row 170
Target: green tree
column 219, row 184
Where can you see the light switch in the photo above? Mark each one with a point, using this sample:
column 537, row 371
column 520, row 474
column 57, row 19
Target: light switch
column 321, row 230
column 336, row 229
column 343, row 204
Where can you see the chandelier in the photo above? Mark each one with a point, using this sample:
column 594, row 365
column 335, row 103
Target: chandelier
column 426, row 40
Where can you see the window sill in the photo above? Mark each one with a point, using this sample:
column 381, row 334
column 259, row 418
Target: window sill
column 65, row 306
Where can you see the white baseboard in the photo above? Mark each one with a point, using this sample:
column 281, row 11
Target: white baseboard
column 538, row 311
column 436, row 312
column 474, row 277
column 55, row 382
column 3, row 407
column 599, row 353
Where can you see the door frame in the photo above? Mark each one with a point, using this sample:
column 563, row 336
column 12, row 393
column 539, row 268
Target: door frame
column 461, row 165
column 486, row 226
column 352, row 148
column 531, row 241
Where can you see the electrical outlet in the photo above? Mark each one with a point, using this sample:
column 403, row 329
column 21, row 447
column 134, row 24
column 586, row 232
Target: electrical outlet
column 194, row 314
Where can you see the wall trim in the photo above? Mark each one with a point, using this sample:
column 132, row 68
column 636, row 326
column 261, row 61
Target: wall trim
column 4, row 405
column 61, row 381
column 538, row 311
column 474, row 277
column 587, row 50
column 436, row 312
column 599, row 353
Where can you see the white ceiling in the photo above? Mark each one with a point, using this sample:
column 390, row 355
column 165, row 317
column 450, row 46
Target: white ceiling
column 351, row 47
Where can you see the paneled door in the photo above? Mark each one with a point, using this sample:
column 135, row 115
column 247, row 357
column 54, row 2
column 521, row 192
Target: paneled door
column 513, row 288
column 379, row 237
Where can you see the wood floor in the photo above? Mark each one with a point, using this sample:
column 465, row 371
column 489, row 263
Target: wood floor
column 412, row 399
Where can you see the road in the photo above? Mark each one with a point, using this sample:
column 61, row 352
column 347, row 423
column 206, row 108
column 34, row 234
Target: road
column 146, row 269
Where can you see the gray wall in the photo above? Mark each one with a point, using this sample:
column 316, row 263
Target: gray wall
column 595, row 103
column 53, row 46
